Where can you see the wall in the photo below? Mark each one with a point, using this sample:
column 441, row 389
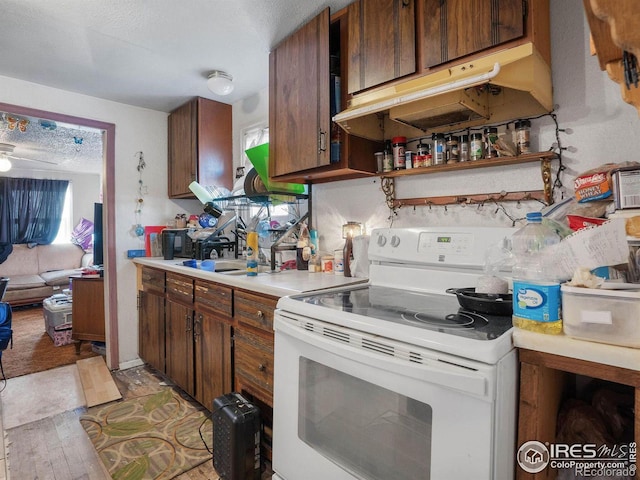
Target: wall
column 600, row 127
column 137, row 129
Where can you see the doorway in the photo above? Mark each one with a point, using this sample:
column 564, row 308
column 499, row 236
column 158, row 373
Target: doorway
column 108, row 189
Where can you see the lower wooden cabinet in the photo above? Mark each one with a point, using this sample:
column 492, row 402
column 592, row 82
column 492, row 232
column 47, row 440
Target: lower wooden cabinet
column 179, row 345
column 208, row 338
column 212, row 354
column 151, row 334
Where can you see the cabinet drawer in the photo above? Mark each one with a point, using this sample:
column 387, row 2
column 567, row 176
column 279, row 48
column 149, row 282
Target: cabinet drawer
column 179, row 288
column 152, row 280
column 254, row 310
column 213, row 297
column 254, row 359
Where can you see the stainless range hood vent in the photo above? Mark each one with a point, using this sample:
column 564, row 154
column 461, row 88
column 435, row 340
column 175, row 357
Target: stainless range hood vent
column 506, row 85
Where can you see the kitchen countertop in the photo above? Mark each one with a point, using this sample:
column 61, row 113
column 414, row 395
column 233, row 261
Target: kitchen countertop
column 565, row 346
column 278, row 284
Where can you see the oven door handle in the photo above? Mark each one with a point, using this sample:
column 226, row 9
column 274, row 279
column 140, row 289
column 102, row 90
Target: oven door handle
column 432, row 370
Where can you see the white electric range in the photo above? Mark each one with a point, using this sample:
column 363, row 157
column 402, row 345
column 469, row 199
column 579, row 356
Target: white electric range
column 393, row 379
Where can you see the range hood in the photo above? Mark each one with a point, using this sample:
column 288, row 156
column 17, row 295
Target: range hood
column 506, row 85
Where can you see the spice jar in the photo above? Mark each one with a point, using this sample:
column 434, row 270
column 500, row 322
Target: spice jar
column 476, row 147
column 408, row 159
column 387, row 157
column 490, row 137
column 379, row 159
column 523, row 130
column 452, row 149
column 399, row 145
column 439, row 148
column 420, row 160
column 463, row 148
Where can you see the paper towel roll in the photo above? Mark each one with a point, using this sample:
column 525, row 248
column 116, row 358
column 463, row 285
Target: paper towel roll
column 360, row 262
column 200, row 192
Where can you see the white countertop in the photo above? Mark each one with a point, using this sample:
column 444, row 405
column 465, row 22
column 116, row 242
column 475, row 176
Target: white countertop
column 565, row 346
column 278, row 284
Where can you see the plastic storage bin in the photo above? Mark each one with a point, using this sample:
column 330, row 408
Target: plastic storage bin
column 606, row 316
column 57, row 318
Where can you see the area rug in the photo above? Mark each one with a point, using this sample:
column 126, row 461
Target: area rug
column 156, row 436
column 33, row 349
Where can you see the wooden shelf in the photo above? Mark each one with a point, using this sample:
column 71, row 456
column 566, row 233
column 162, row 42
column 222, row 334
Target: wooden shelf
column 544, row 195
column 487, row 162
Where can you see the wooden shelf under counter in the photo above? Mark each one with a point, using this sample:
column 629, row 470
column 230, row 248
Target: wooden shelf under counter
column 545, row 375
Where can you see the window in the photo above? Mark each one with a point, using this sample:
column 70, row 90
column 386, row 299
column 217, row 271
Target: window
column 66, row 225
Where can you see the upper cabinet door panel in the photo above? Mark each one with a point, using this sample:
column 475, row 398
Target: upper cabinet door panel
column 382, row 43
column 455, row 28
column 299, row 99
column 183, row 138
column 215, row 157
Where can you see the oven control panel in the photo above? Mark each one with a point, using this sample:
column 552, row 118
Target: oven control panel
column 456, row 246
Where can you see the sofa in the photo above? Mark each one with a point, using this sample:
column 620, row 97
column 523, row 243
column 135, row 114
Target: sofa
column 39, row 272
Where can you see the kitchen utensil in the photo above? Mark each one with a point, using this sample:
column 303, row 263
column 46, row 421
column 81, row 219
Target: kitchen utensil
column 494, row 304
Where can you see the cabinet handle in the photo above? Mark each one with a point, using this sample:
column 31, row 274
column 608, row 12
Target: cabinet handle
column 262, row 367
column 322, row 140
column 197, row 327
column 259, row 314
column 188, row 323
column 405, row 3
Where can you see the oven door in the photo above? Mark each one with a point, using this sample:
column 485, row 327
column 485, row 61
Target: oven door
column 351, row 405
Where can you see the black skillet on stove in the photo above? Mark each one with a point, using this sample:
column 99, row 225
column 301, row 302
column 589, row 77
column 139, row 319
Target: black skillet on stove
column 489, row 303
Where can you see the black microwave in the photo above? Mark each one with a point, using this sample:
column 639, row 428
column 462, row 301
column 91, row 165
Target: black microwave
column 183, row 246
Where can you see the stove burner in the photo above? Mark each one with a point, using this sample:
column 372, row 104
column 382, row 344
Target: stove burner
column 462, row 319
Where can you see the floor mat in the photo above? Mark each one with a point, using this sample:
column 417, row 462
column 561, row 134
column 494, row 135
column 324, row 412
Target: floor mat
column 156, row 436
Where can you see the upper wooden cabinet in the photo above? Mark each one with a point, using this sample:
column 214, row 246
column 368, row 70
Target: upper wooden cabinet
column 300, row 129
column 382, row 42
column 456, row 28
column 200, row 146
column 609, row 43
column 299, row 124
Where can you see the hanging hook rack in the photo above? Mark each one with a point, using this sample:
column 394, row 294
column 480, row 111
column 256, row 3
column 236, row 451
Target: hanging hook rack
column 479, row 199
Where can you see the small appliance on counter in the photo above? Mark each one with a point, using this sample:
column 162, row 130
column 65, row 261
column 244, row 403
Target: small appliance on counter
column 182, row 243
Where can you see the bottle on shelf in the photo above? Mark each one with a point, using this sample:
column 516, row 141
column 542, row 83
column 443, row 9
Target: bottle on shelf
column 536, row 290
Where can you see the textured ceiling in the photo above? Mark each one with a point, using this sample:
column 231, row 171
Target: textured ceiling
column 150, row 53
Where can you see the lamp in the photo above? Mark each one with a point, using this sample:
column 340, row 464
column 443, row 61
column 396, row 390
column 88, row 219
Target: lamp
column 5, row 164
column 220, row 83
column 349, row 230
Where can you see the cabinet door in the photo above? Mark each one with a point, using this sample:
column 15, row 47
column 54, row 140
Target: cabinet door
column 299, row 99
column 253, row 364
column 215, row 156
column 200, row 146
column 179, row 345
column 455, row 28
column 151, row 338
column 382, row 43
column 212, row 350
column 182, row 149
column 87, row 310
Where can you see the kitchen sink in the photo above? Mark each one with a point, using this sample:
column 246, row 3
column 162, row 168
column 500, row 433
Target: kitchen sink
column 232, row 267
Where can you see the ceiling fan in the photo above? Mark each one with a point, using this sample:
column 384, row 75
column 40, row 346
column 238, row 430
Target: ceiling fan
column 6, row 153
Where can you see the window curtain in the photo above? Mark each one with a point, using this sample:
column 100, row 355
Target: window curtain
column 30, row 209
